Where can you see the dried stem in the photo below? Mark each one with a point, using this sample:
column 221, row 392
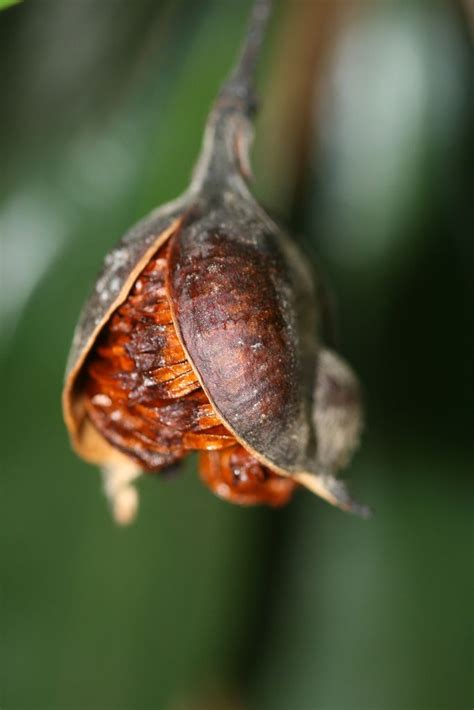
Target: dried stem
column 240, row 86
column 224, row 158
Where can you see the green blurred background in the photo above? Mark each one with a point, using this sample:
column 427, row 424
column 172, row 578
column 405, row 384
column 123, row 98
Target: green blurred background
column 363, row 145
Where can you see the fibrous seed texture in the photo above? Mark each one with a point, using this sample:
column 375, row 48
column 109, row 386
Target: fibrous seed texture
column 143, row 396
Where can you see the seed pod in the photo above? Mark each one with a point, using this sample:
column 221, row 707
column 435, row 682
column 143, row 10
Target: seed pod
column 203, row 333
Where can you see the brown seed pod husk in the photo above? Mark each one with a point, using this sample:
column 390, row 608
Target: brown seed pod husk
column 248, row 317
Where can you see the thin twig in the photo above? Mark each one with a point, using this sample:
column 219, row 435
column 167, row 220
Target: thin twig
column 225, row 152
column 240, row 86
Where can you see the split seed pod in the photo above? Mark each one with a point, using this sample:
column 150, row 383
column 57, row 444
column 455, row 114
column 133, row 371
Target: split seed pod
column 203, row 333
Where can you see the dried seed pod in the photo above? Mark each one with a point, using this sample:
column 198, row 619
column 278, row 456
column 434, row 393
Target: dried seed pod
column 203, row 333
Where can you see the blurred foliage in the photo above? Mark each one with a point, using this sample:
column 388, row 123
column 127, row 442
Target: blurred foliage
column 7, row 3
column 200, row 604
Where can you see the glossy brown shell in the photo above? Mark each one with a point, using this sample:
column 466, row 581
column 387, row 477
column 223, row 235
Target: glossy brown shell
column 236, row 291
column 244, row 308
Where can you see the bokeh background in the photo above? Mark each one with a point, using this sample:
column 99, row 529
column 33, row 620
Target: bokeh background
column 363, row 147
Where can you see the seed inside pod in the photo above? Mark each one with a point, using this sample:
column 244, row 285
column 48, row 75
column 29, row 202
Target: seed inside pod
column 205, row 332
column 145, row 399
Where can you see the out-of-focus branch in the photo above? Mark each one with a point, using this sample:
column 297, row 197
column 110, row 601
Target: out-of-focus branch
column 308, row 32
column 468, row 7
